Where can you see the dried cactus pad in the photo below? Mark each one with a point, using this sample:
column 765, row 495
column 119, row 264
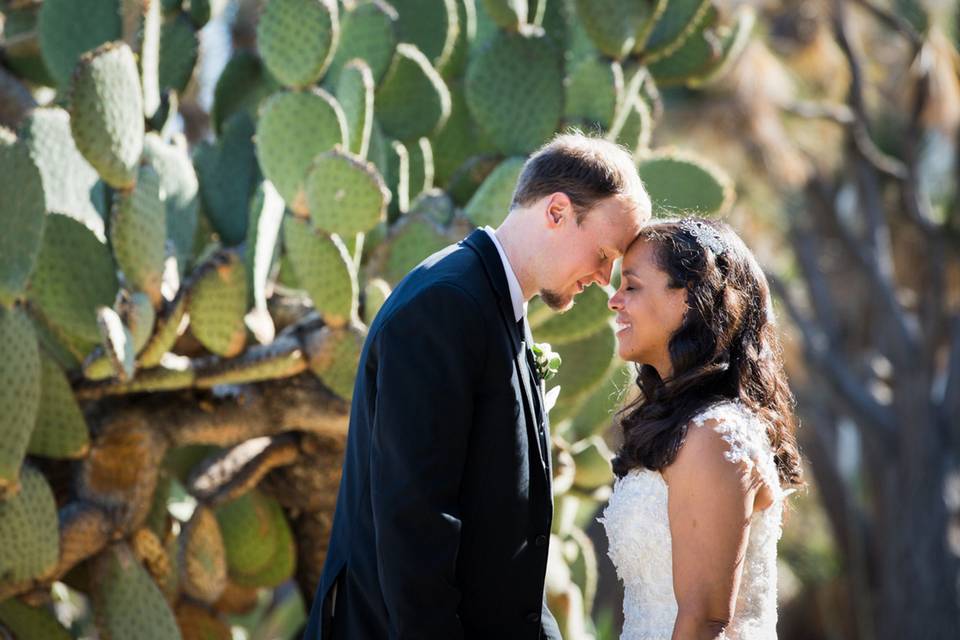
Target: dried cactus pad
column 297, row 39
column 293, row 128
column 202, row 561
column 106, row 113
column 20, row 378
column 29, row 530
column 503, row 79
column 217, row 305
column 345, row 195
column 323, row 268
column 22, row 211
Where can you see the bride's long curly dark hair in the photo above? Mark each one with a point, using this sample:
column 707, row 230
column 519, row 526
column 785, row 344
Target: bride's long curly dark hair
column 725, row 348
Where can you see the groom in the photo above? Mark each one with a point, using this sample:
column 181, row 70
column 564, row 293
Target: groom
column 443, row 517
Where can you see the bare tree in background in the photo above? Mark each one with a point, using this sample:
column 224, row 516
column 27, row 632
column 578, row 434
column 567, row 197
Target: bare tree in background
column 875, row 294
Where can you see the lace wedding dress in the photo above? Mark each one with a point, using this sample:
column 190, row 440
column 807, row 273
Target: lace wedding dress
column 639, row 533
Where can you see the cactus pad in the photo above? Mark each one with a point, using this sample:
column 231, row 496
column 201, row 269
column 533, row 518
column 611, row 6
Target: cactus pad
column 323, row 268
column 22, row 211
column 297, row 39
column 507, row 14
column 127, row 603
column 202, row 560
column 70, row 185
column 138, row 233
column 412, row 100
column 74, row 275
column 369, row 32
column 585, row 363
column 431, row 25
column 249, row 528
column 588, row 315
column 228, row 175
column 29, row 530
column 613, row 25
column 217, row 304
column 334, row 355
column 293, row 128
column 106, row 113
column 675, row 23
column 491, row 203
column 68, row 28
column 355, row 93
column 60, row 430
column 242, row 86
column 683, row 183
column 31, row 622
column 20, row 379
column 345, row 195
column 594, row 92
column 178, row 181
column 500, row 80
column 179, row 50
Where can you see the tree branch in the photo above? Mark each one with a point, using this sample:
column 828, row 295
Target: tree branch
column 828, row 362
column 894, row 22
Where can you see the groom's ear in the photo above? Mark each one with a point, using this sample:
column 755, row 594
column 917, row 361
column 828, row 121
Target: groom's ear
column 558, row 208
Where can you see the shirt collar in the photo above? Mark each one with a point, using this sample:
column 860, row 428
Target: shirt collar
column 516, row 293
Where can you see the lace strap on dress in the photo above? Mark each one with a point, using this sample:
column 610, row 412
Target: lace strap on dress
column 746, row 435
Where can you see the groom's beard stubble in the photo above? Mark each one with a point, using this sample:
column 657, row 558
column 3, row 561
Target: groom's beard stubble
column 556, row 301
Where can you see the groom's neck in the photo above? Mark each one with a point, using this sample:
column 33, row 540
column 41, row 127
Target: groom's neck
column 516, row 243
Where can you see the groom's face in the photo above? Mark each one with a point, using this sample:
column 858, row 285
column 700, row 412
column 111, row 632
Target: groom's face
column 583, row 254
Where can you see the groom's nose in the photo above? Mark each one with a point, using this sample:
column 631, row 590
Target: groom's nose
column 602, row 275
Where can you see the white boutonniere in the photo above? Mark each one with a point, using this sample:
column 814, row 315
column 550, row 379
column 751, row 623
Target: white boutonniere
column 547, row 360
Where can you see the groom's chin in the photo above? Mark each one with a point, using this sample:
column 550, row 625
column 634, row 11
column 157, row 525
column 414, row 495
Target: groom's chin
column 557, row 301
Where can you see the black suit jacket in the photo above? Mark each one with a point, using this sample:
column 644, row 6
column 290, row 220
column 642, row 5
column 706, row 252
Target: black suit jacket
column 443, row 516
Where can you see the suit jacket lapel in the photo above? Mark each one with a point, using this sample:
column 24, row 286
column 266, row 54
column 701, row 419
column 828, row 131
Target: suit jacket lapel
column 483, row 246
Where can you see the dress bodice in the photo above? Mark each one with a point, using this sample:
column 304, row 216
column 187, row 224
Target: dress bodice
column 638, row 530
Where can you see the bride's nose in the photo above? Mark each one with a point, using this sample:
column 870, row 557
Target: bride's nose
column 615, row 303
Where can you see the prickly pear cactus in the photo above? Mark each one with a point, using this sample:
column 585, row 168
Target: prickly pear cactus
column 182, row 309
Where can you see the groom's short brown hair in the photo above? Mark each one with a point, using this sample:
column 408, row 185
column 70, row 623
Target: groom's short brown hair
column 588, row 169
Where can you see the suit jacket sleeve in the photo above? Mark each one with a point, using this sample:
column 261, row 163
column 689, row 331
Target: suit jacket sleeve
column 430, row 355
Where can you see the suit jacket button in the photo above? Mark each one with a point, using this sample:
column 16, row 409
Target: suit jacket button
column 541, row 541
column 533, row 617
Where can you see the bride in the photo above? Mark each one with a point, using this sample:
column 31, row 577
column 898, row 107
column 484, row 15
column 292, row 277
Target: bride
column 708, row 450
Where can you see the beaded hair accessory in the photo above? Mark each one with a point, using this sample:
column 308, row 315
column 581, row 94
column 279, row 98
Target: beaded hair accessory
column 705, row 235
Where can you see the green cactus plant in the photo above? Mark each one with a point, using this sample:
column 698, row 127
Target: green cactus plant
column 352, row 141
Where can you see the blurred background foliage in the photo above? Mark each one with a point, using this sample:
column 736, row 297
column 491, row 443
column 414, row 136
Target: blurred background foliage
column 237, row 257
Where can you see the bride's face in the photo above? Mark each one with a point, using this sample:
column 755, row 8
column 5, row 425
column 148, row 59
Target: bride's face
column 648, row 310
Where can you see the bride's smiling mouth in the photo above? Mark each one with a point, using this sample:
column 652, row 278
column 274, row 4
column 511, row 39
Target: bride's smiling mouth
column 622, row 325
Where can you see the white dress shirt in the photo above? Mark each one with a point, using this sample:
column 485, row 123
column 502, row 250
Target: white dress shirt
column 516, row 293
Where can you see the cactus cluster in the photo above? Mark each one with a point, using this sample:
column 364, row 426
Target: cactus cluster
column 140, row 275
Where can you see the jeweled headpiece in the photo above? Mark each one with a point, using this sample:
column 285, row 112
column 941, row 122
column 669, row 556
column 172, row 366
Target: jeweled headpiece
column 705, row 235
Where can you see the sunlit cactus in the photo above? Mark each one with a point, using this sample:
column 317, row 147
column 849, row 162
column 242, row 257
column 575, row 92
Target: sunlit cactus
column 186, row 320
